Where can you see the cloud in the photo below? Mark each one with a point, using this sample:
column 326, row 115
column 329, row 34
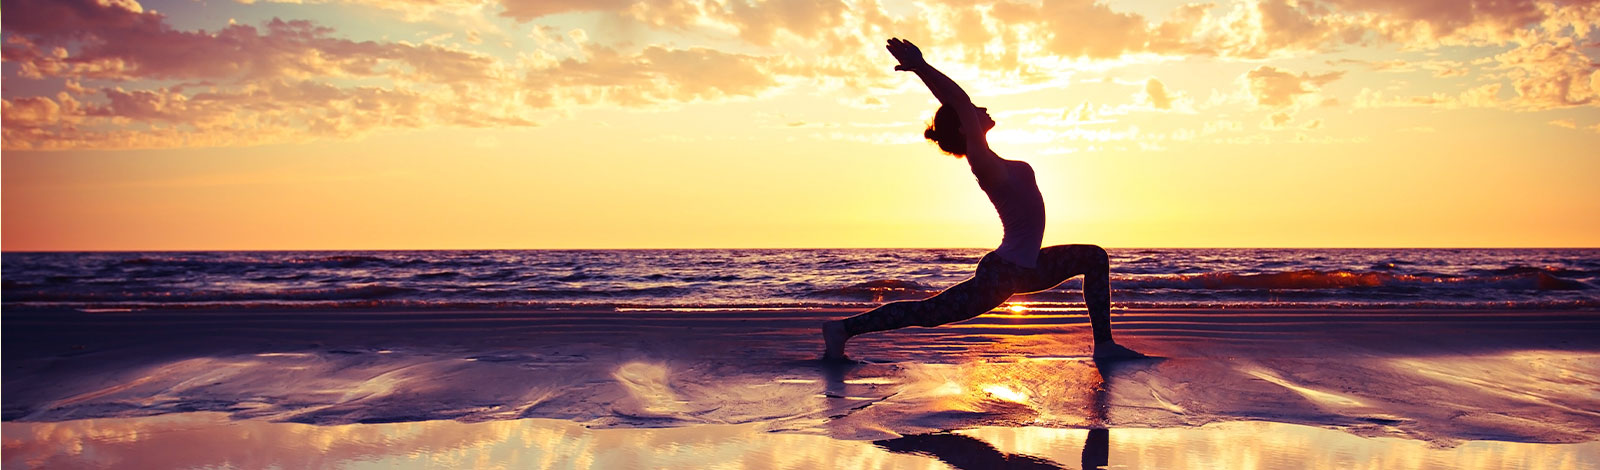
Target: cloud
column 1440, row 19
column 1567, row 123
column 1482, row 96
column 1277, row 119
column 1078, row 28
column 114, row 42
column 1273, row 87
column 239, row 85
column 277, row 111
column 32, row 111
column 1440, row 68
column 410, row 10
column 759, row 22
column 1302, row 26
column 1256, row 29
column 1551, row 74
column 1156, row 92
column 308, row 81
column 525, row 10
column 290, row 81
column 1321, row 25
column 655, row 75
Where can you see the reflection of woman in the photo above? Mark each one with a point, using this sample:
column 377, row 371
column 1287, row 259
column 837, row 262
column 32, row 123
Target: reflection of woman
column 1018, row 265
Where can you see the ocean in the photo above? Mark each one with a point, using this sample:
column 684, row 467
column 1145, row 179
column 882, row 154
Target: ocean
column 786, row 279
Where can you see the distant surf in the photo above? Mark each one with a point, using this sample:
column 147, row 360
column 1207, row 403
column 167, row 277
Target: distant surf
column 1142, row 278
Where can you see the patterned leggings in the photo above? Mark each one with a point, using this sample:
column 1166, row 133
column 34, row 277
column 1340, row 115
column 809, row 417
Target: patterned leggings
column 993, row 283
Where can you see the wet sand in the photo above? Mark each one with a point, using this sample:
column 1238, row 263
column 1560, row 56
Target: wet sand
column 212, row 440
column 1424, row 387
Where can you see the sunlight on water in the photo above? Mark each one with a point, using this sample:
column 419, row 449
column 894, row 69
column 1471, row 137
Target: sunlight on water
column 1318, row 396
column 1006, row 393
column 211, row 440
column 647, row 384
column 871, row 381
column 1251, row 445
column 1569, row 381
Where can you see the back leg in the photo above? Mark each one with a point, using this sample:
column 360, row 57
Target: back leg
column 963, row 301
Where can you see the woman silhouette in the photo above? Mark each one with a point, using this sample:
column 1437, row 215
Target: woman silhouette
column 1019, row 264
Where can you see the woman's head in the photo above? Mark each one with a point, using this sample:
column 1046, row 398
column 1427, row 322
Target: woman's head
column 946, row 130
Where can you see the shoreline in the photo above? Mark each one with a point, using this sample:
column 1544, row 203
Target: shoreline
column 67, row 333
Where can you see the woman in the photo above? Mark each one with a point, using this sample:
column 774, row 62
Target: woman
column 1019, row 264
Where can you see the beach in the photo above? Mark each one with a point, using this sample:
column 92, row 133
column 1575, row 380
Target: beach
column 646, row 388
column 1262, row 358
column 637, row 234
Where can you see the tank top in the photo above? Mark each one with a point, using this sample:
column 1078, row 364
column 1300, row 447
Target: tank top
column 1016, row 197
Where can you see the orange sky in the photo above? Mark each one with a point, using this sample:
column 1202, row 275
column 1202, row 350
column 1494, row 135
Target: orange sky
column 401, row 124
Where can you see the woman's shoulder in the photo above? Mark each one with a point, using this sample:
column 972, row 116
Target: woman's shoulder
column 1017, row 166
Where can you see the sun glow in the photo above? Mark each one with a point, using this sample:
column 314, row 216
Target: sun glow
column 1006, row 393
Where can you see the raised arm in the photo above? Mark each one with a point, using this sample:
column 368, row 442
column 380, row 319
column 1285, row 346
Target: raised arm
column 984, row 162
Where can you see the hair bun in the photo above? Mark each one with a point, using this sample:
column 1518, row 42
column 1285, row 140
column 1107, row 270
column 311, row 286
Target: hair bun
column 930, row 135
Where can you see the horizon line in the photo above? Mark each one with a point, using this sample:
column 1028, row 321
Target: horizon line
column 246, row 250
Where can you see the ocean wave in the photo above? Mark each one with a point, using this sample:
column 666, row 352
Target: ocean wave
column 278, row 278
column 708, row 278
column 154, row 261
column 500, row 275
column 1550, row 270
column 437, row 275
column 368, row 292
column 1313, row 279
column 848, row 278
column 581, row 294
column 1025, row 303
column 957, row 259
column 340, row 260
column 878, row 291
column 574, row 277
column 249, row 262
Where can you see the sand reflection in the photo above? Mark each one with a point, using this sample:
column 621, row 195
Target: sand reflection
column 646, row 383
column 211, row 440
column 1084, row 400
column 1253, row 445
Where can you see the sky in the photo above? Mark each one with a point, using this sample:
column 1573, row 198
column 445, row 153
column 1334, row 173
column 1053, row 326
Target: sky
column 478, row 124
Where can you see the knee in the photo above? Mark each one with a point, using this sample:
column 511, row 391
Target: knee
column 1093, row 253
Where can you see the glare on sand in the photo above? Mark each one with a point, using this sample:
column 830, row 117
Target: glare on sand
column 1249, row 445
column 1560, row 379
column 211, row 439
column 1006, row 393
column 647, row 385
column 1314, row 395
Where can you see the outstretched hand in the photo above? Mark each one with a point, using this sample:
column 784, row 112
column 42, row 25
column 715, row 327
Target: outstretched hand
column 907, row 53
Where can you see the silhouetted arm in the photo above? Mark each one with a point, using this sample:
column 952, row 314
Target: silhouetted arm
column 985, row 163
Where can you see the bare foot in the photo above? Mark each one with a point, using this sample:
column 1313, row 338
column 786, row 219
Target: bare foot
column 1110, row 351
column 833, row 338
